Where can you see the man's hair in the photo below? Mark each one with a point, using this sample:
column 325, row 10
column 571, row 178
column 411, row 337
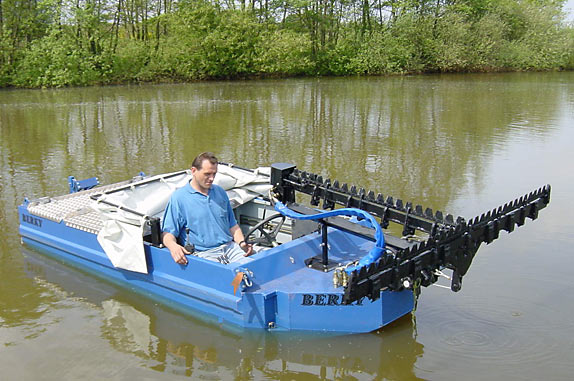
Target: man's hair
column 204, row 156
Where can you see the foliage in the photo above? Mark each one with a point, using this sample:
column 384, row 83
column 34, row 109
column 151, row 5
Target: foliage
column 284, row 52
column 51, row 43
column 55, row 61
column 541, row 43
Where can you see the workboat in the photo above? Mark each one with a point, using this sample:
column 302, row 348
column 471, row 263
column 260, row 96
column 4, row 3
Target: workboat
column 331, row 264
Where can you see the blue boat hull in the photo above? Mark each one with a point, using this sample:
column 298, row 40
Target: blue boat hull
column 285, row 294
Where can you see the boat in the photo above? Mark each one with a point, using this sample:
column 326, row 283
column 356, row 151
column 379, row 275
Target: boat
column 327, row 258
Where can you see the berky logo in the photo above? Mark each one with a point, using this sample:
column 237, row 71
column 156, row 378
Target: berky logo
column 32, row 220
column 325, row 300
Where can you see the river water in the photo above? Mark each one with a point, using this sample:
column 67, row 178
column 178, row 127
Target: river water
column 462, row 144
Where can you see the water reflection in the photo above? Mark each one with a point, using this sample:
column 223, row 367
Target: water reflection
column 459, row 142
column 175, row 343
column 398, row 135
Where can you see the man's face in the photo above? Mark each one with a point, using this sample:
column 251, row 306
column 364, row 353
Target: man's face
column 204, row 177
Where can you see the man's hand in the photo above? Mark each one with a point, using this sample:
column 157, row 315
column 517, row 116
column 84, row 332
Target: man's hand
column 238, row 237
column 177, row 251
column 248, row 248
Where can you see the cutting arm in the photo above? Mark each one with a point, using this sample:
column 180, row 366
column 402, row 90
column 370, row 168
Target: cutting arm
column 447, row 242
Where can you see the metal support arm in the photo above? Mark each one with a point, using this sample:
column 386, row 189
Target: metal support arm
column 450, row 244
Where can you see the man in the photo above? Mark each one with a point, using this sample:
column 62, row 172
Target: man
column 200, row 213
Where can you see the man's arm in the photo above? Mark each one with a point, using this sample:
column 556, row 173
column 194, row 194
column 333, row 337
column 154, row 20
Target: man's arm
column 177, row 251
column 238, row 237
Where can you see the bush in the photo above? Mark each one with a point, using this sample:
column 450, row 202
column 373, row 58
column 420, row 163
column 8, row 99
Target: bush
column 537, row 41
column 284, row 52
column 56, row 61
column 130, row 61
column 406, row 46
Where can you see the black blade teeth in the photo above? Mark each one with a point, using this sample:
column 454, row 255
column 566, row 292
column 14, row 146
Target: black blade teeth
column 371, row 196
column 531, row 203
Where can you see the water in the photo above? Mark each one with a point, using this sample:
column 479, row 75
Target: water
column 458, row 143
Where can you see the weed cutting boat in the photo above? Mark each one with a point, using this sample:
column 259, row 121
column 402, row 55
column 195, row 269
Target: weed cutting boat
column 327, row 266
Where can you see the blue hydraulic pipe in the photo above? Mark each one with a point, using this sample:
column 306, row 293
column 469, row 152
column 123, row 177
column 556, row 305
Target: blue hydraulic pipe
column 375, row 252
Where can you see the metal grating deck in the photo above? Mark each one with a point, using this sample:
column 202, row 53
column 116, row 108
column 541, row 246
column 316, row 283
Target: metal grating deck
column 74, row 208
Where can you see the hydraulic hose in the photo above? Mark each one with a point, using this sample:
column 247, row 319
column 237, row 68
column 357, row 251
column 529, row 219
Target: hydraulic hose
column 375, row 252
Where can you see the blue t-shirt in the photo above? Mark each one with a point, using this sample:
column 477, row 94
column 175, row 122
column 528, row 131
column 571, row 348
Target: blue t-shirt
column 208, row 218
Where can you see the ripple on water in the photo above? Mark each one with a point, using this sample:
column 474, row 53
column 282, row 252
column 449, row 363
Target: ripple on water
column 501, row 330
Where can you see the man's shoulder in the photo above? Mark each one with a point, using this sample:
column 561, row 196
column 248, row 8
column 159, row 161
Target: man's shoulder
column 180, row 192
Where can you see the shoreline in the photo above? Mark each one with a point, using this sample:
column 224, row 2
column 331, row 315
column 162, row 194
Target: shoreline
column 256, row 77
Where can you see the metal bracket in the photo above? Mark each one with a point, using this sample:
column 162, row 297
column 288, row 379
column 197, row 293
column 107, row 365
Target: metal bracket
column 80, row 185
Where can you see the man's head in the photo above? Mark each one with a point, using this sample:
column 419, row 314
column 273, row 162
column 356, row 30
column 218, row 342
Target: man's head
column 204, row 168
column 198, row 161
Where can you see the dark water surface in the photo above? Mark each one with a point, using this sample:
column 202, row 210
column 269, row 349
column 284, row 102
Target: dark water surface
column 459, row 143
